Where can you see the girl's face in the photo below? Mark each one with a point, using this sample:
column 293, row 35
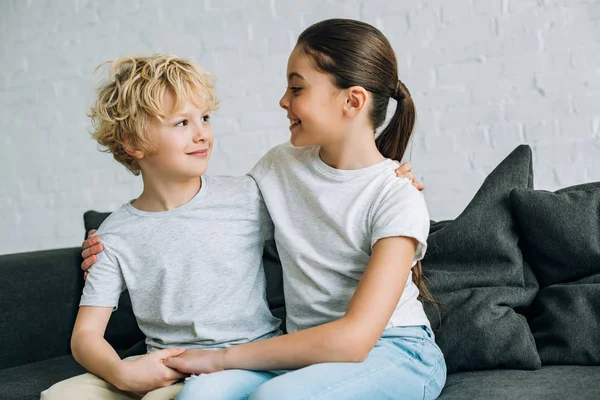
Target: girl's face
column 314, row 105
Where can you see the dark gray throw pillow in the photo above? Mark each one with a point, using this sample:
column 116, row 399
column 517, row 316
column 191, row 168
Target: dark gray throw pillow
column 561, row 242
column 475, row 270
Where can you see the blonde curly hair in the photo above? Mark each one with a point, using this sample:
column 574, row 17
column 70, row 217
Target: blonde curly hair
column 134, row 94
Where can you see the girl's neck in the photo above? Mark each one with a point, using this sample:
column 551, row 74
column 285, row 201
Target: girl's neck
column 162, row 195
column 357, row 150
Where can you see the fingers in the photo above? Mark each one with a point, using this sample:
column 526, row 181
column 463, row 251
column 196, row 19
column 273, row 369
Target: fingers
column 419, row 185
column 91, row 232
column 174, row 363
column 92, row 251
column 410, row 176
column 172, row 352
column 90, row 242
column 404, row 170
column 88, row 262
column 175, row 375
column 85, row 274
column 406, row 167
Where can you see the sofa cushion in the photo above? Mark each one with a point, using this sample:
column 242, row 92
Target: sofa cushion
column 548, row 383
column 27, row 381
column 561, row 242
column 475, row 269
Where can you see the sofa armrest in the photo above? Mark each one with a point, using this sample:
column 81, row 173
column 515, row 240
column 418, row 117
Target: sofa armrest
column 39, row 299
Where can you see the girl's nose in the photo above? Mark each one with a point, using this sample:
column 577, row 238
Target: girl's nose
column 284, row 102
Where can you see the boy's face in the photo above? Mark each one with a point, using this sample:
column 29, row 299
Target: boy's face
column 184, row 141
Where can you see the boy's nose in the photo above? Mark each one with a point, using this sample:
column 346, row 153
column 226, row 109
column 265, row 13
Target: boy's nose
column 199, row 135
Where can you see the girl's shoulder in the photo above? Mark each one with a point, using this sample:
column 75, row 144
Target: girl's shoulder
column 284, row 155
column 399, row 194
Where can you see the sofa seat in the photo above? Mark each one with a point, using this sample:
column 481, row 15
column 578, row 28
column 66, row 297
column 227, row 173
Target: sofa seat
column 548, row 383
column 27, row 381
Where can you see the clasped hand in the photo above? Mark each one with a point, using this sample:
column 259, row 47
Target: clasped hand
column 196, row 361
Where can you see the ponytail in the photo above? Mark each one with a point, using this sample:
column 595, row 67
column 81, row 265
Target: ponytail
column 394, row 139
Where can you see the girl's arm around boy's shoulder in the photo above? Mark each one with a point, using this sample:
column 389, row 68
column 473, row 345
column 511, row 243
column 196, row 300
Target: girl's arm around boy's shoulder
column 348, row 339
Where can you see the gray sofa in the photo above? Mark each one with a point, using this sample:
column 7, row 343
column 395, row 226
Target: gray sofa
column 516, row 277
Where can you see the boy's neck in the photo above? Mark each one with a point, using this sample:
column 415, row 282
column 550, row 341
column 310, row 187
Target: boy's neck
column 166, row 195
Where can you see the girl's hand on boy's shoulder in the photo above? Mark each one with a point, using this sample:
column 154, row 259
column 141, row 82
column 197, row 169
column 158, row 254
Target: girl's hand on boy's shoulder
column 91, row 247
column 196, row 361
column 149, row 372
column 405, row 171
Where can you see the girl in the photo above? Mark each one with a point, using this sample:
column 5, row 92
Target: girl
column 349, row 235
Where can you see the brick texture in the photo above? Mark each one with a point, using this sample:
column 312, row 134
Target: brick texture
column 486, row 75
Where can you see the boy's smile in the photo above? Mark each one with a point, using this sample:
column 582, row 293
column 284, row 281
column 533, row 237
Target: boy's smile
column 184, row 141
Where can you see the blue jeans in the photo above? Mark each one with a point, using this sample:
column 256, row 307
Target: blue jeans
column 406, row 363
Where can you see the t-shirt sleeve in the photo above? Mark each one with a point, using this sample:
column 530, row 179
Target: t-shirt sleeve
column 266, row 223
column 104, row 283
column 262, row 167
column 401, row 211
column 258, row 203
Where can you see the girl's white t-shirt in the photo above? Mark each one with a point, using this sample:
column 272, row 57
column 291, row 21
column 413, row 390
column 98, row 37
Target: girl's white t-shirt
column 326, row 224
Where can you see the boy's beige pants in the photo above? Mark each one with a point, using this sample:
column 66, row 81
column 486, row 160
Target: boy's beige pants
column 90, row 387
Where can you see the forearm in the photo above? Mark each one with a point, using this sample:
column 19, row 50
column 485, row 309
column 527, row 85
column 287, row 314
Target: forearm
column 97, row 356
column 338, row 341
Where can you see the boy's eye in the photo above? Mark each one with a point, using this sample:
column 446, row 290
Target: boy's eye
column 206, row 118
column 182, row 123
column 295, row 89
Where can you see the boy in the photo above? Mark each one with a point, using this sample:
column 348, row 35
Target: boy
column 188, row 249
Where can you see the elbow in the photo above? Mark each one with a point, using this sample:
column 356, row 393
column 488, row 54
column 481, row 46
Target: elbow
column 75, row 347
column 358, row 354
column 354, row 346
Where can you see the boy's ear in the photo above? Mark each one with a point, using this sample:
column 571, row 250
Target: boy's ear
column 130, row 149
column 356, row 100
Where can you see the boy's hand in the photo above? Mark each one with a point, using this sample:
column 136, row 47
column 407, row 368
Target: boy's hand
column 148, row 372
column 91, row 247
column 404, row 171
column 197, row 361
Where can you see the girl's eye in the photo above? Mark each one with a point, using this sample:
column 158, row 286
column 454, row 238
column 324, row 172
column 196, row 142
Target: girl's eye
column 295, row 89
column 206, row 118
column 182, row 123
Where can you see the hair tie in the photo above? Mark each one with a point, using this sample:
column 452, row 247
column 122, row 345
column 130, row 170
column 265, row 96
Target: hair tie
column 399, row 94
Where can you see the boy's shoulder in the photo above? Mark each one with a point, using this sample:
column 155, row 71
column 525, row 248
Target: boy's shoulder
column 116, row 222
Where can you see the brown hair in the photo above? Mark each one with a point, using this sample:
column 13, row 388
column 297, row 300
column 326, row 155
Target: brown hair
column 134, row 94
column 355, row 53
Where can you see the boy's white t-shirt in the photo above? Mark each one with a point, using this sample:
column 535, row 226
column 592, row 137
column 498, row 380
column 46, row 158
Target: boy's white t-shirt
column 326, row 224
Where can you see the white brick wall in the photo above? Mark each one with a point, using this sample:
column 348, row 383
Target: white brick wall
column 486, row 76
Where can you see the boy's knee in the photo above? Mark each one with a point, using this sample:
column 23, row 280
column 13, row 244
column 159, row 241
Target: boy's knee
column 58, row 391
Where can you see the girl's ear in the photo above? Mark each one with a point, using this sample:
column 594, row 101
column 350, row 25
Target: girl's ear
column 356, row 100
column 130, row 149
